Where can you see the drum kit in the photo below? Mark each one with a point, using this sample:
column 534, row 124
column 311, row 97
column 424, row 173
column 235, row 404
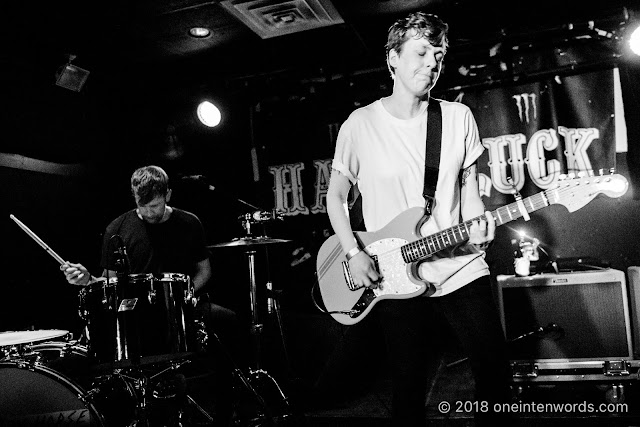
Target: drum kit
column 123, row 370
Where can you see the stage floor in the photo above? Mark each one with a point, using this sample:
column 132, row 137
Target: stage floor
column 455, row 384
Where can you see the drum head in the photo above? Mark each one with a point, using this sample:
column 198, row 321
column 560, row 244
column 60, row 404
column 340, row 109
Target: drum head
column 41, row 396
column 23, row 337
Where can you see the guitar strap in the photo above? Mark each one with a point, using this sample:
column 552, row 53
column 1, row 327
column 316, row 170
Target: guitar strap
column 432, row 153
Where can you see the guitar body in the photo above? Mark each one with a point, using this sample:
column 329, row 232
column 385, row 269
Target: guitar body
column 400, row 280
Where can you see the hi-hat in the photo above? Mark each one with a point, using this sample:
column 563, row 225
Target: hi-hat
column 248, row 241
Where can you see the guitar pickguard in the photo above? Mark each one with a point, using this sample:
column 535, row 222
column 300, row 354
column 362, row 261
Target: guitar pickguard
column 392, row 267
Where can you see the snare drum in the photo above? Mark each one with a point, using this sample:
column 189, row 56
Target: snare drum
column 146, row 319
column 13, row 343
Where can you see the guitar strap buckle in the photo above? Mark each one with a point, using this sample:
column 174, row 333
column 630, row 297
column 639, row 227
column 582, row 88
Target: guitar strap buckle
column 429, row 203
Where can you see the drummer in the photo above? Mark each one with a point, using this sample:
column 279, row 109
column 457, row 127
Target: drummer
column 158, row 238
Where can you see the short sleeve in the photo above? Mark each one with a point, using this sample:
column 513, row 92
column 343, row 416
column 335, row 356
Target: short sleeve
column 473, row 144
column 201, row 252
column 345, row 159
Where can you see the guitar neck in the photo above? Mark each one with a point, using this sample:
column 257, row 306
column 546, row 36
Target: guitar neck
column 450, row 237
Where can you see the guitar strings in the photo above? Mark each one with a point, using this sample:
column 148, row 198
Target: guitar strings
column 536, row 201
column 512, row 211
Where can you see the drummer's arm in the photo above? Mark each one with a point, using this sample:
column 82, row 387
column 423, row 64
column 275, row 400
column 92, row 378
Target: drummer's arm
column 201, row 275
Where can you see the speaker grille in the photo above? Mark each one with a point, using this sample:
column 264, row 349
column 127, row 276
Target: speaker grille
column 575, row 316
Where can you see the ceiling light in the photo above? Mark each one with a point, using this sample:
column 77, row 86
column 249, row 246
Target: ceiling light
column 634, row 41
column 199, row 32
column 208, row 114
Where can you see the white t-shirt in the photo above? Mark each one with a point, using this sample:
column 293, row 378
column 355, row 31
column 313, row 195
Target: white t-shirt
column 385, row 156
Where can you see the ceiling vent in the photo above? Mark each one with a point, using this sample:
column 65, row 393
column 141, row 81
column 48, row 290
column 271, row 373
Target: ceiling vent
column 272, row 18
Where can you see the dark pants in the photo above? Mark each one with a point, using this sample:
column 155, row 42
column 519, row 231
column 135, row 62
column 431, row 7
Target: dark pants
column 411, row 329
column 223, row 353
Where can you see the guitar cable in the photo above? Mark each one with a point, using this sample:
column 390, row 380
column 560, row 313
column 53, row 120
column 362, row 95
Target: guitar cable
column 349, row 313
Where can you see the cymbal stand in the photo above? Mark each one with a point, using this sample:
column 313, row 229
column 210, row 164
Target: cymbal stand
column 237, row 372
column 257, row 328
column 273, row 306
column 258, row 217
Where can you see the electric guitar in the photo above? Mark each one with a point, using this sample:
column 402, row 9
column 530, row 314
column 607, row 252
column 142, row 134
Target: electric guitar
column 398, row 248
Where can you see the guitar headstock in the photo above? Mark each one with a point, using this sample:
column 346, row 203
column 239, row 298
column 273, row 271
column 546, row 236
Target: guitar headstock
column 576, row 191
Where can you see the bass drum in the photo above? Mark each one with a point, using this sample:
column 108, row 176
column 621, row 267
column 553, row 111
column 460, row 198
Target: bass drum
column 53, row 384
column 37, row 395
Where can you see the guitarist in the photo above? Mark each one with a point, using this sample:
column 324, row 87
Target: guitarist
column 381, row 147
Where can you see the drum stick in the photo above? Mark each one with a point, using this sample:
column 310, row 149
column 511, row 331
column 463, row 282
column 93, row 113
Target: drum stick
column 38, row 240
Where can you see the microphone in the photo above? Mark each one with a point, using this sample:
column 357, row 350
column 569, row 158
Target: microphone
column 197, row 178
column 122, row 262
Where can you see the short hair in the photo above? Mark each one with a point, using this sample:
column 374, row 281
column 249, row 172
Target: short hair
column 418, row 25
column 149, row 182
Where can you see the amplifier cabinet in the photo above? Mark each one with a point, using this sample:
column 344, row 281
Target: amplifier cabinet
column 567, row 321
column 633, row 274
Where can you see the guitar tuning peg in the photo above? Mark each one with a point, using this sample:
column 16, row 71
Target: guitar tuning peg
column 612, row 170
column 572, row 175
column 582, row 174
column 600, row 172
column 562, row 177
column 591, row 172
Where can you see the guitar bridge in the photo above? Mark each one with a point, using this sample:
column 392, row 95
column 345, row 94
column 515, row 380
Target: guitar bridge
column 347, row 273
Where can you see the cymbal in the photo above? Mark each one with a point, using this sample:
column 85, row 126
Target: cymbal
column 24, row 337
column 248, row 241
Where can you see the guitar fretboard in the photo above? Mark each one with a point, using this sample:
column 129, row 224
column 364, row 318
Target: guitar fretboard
column 450, row 237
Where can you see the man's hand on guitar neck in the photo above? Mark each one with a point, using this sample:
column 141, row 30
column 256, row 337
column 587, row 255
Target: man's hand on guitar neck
column 363, row 271
column 482, row 233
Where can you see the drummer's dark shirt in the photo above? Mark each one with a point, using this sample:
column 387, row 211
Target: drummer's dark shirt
column 174, row 246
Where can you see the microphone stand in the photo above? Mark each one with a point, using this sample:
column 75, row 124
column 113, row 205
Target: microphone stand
column 122, row 308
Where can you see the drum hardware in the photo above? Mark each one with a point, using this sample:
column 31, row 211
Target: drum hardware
column 200, row 409
column 251, row 240
column 202, row 336
column 256, row 374
column 146, row 388
column 151, row 297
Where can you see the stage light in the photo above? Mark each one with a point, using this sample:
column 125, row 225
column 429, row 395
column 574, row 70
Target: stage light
column 209, row 114
column 199, row 32
column 634, row 41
